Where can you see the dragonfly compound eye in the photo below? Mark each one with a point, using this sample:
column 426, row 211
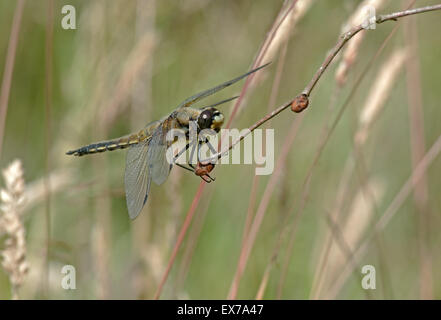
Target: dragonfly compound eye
column 205, row 119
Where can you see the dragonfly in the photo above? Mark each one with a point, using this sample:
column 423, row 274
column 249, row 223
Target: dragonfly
column 146, row 157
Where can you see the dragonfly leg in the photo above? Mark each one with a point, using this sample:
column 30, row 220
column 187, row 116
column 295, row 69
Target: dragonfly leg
column 207, row 180
column 180, row 153
column 206, row 177
column 192, row 168
column 193, row 148
column 184, row 167
column 212, row 149
column 210, row 146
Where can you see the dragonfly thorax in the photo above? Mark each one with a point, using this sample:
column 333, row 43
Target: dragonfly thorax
column 210, row 118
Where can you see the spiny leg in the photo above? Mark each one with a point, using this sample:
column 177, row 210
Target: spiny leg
column 207, row 180
column 181, row 152
column 212, row 149
column 184, row 167
column 194, row 145
column 192, row 166
column 192, row 169
column 199, row 156
column 178, row 155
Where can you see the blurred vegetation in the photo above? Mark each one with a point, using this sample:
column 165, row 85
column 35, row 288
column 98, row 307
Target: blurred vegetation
column 183, row 48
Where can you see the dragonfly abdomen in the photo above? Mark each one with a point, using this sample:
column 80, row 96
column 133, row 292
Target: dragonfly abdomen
column 97, row 147
column 110, row 145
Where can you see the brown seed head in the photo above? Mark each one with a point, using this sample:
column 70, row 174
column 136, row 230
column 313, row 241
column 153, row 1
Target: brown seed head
column 300, row 103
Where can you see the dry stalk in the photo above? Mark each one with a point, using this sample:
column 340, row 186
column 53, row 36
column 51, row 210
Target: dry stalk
column 349, row 54
column 36, row 190
column 182, row 233
column 374, row 104
column 305, row 94
column 418, row 146
column 283, row 27
column 100, row 251
column 195, row 203
column 360, row 216
column 284, row 13
column 9, row 67
column 418, row 172
column 378, row 94
column 136, row 61
column 14, row 252
column 249, row 242
column 327, row 133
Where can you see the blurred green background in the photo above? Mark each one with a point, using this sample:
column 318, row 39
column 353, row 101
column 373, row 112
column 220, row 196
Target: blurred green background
column 131, row 62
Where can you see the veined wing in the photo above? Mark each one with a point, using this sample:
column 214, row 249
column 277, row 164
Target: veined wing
column 159, row 167
column 137, row 180
column 145, row 162
column 209, row 92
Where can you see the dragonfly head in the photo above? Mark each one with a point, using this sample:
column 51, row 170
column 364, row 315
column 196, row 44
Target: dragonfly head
column 210, row 118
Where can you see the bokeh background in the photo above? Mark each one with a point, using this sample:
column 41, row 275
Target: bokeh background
column 131, row 62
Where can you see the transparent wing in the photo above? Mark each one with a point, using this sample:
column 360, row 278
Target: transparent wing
column 159, row 168
column 137, row 180
column 209, row 92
